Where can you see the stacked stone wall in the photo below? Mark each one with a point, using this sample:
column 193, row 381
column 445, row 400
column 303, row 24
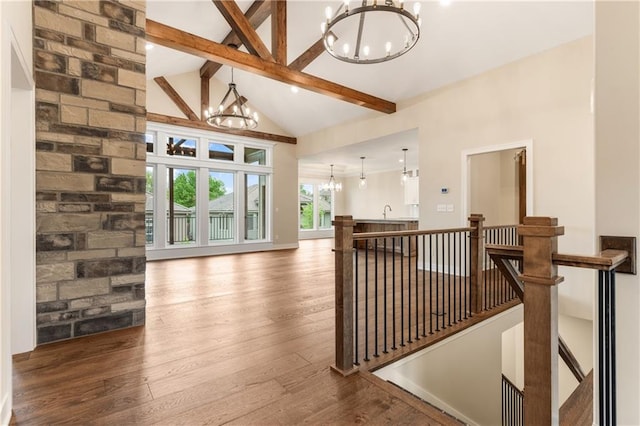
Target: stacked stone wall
column 89, row 64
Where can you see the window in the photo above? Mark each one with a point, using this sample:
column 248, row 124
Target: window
column 219, row 151
column 149, row 206
column 255, row 206
column 205, row 194
column 181, row 206
column 222, row 206
column 316, row 208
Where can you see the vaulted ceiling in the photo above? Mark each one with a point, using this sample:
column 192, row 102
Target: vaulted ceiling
column 457, row 41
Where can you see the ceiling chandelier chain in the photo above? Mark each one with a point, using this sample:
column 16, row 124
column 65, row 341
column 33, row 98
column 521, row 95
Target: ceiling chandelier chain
column 400, row 40
column 234, row 115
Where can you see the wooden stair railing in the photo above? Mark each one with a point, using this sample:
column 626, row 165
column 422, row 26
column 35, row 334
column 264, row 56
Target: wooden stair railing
column 540, row 280
column 501, row 257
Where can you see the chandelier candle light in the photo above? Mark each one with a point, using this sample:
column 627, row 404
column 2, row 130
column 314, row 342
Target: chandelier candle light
column 234, row 114
column 376, row 34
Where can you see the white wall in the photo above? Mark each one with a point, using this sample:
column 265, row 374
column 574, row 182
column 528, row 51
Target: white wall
column 463, row 374
column 368, row 203
column 17, row 233
column 617, row 166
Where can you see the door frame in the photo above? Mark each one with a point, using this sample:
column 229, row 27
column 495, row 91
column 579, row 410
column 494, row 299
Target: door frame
column 526, row 144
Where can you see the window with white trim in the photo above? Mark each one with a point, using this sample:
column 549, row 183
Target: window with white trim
column 206, row 190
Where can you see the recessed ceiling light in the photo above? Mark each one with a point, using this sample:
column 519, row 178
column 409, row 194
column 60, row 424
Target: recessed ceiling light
column 148, row 46
column 294, row 89
column 445, row 3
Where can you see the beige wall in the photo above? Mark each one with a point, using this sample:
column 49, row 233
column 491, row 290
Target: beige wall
column 617, row 136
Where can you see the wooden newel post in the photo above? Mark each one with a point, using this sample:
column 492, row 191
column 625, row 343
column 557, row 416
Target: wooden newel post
column 540, row 278
column 343, row 235
column 477, row 251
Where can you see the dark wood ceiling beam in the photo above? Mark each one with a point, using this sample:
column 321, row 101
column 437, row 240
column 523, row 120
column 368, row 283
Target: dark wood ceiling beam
column 176, row 98
column 177, row 121
column 243, row 29
column 204, row 96
column 279, row 31
column 194, row 45
column 309, row 55
column 257, row 13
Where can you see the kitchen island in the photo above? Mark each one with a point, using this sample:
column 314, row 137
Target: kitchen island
column 386, row 225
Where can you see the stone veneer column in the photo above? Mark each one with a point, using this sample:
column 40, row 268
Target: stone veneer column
column 89, row 60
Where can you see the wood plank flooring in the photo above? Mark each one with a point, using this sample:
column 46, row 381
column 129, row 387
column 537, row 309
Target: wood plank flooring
column 240, row 339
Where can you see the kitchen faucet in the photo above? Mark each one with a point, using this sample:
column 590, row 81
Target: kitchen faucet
column 384, row 213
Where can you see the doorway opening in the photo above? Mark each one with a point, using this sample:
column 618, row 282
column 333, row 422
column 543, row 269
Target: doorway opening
column 497, row 182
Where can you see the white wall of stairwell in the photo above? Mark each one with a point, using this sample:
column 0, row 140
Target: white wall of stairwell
column 461, row 375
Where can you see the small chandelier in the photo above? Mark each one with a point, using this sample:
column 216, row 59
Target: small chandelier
column 232, row 115
column 363, row 179
column 332, row 185
column 405, row 175
column 378, row 38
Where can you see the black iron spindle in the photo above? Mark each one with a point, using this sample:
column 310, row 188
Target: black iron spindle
column 401, row 291
column 366, row 300
column 424, row 289
column 385, row 295
column 409, row 290
column 375, row 294
column 356, row 312
column 416, row 275
column 431, row 284
column 393, row 292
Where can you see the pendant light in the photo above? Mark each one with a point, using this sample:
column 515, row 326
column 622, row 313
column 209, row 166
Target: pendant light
column 405, row 175
column 363, row 179
column 333, row 185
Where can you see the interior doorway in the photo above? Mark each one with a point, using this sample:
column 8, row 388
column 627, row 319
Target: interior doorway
column 498, row 183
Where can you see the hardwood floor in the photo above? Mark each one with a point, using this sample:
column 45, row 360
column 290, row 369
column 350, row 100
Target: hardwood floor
column 241, row 339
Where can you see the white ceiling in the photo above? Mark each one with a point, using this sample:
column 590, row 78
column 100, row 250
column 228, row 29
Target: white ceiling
column 457, row 41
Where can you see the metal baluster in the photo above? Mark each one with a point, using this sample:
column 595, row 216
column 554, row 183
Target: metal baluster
column 375, row 300
column 393, row 292
column 437, row 313
column 431, row 284
column 401, row 291
column 356, row 312
column 455, row 295
column 366, row 300
column 443, row 281
column 424, row 289
column 449, row 276
column 385, row 295
column 416, row 275
column 409, row 290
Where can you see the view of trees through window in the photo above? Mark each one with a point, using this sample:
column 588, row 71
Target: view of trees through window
column 203, row 190
column 315, row 207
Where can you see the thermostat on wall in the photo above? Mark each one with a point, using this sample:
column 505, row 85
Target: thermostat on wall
column 444, row 190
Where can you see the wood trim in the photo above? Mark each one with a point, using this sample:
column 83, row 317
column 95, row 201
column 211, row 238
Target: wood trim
column 606, row 261
column 189, row 43
column 177, row 121
column 243, row 29
column 279, row 31
column 308, row 56
column 176, row 98
column 257, row 13
column 204, row 96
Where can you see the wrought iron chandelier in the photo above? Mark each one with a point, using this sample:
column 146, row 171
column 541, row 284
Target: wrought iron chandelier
column 232, row 112
column 373, row 29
